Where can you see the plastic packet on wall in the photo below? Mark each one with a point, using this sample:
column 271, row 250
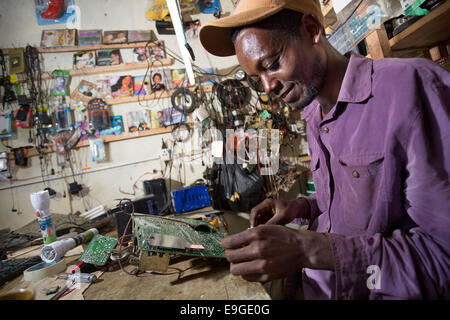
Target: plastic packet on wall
column 61, row 83
column 359, row 18
column 97, row 148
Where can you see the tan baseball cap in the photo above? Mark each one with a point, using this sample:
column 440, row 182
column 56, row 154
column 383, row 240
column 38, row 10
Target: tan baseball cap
column 215, row 36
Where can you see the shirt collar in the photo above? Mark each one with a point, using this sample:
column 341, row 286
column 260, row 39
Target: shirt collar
column 356, row 85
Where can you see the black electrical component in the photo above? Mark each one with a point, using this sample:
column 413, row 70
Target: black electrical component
column 50, row 191
column 164, row 27
column 75, row 188
column 20, row 156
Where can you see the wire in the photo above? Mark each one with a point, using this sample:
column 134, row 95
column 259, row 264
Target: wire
column 133, row 273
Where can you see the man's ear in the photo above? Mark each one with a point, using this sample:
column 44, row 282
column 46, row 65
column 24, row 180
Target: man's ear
column 312, row 27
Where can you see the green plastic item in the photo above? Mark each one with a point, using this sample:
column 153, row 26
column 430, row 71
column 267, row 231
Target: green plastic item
column 99, row 250
column 145, row 226
column 61, row 83
column 415, row 10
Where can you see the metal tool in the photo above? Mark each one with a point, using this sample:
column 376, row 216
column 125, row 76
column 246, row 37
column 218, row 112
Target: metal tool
column 171, row 242
column 73, row 278
column 79, row 277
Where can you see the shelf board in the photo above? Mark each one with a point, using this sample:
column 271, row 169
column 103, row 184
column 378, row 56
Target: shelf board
column 96, row 47
column 152, row 96
column 108, row 69
column 426, row 32
column 121, row 67
column 328, row 14
column 106, row 139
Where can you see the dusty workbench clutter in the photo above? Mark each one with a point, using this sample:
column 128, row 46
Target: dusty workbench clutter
column 184, row 277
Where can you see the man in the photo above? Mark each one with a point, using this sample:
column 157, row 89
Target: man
column 379, row 137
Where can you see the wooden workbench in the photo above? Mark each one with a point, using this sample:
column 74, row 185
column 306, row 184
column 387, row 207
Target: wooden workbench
column 187, row 279
column 203, row 279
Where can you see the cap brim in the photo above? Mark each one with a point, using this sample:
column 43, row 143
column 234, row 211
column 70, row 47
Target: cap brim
column 215, row 36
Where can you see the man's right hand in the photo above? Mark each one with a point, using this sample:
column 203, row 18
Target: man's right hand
column 279, row 212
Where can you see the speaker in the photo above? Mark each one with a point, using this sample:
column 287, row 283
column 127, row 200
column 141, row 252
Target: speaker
column 142, row 205
column 157, row 187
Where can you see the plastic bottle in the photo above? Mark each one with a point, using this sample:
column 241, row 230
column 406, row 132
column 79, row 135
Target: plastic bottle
column 41, row 203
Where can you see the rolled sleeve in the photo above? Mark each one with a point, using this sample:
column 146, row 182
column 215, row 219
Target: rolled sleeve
column 314, row 211
column 410, row 266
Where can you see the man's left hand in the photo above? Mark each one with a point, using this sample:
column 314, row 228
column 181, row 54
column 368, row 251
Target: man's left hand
column 269, row 252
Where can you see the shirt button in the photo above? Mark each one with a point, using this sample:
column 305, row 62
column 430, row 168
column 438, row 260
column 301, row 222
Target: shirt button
column 326, row 130
column 355, row 174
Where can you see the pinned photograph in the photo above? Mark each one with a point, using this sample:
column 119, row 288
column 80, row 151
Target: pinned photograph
column 115, row 36
column 161, row 80
column 109, row 57
column 142, row 85
column 85, row 91
column 153, row 52
column 84, row 59
column 138, row 120
column 121, row 86
column 103, row 89
column 89, row 37
column 140, row 35
column 58, row 38
column 179, row 79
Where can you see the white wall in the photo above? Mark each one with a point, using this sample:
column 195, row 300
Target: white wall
column 18, row 27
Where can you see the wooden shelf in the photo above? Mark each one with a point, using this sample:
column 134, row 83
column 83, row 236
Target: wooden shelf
column 426, row 32
column 153, row 96
column 106, row 139
column 109, row 69
column 328, row 14
column 96, row 47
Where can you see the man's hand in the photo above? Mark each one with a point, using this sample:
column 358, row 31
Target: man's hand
column 270, row 252
column 280, row 212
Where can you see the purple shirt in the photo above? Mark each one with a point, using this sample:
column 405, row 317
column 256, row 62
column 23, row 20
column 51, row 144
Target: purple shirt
column 381, row 165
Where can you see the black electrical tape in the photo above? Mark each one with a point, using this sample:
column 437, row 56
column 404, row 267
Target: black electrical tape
column 185, row 95
column 176, row 127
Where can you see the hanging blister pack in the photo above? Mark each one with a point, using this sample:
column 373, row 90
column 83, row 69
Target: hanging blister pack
column 97, row 149
column 63, row 117
column 61, row 83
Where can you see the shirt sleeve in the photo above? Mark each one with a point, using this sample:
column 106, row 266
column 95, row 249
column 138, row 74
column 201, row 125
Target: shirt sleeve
column 413, row 263
column 314, row 211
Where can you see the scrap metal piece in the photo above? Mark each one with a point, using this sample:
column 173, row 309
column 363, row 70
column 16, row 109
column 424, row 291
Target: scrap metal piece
column 171, row 242
column 152, row 261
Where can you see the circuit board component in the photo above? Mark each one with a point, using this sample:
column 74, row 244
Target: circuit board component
column 178, row 236
column 99, row 250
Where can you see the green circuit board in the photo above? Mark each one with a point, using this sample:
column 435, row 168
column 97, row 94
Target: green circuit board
column 146, row 225
column 99, row 250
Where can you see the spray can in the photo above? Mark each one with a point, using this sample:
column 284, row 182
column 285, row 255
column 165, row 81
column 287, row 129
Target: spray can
column 57, row 249
column 41, row 203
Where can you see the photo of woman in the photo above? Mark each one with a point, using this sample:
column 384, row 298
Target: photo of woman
column 115, row 57
column 121, row 86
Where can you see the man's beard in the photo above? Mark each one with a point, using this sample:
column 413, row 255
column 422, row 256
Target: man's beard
column 313, row 90
column 311, row 94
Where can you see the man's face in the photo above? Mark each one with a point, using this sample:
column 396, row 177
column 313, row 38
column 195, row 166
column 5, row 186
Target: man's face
column 290, row 69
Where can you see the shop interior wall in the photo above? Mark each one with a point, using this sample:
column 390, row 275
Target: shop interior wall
column 129, row 162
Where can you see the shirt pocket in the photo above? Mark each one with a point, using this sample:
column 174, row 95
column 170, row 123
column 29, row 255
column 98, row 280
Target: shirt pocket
column 360, row 188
